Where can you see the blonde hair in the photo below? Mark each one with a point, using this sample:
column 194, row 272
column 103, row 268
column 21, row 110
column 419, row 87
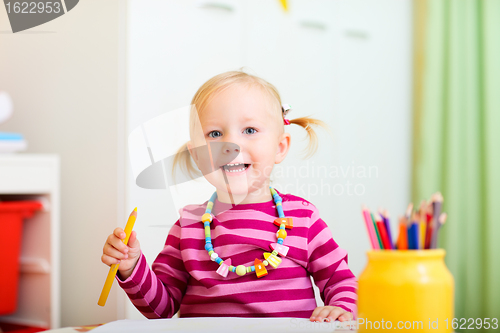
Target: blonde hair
column 218, row 84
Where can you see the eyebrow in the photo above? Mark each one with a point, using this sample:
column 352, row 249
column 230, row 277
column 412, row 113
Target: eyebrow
column 244, row 118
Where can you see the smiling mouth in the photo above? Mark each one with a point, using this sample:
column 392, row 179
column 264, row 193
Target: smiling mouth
column 236, row 167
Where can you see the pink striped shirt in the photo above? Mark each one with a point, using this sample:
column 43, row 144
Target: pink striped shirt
column 184, row 278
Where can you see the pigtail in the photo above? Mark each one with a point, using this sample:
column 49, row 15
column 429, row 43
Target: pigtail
column 183, row 160
column 308, row 123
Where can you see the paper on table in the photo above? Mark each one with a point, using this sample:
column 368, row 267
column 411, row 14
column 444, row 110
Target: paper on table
column 222, row 324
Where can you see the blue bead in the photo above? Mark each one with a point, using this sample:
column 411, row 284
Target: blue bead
column 234, row 269
column 282, row 226
column 280, row 241
column 252, row 268
column 208, row 247
column 208, row 240
column 218, row 260
column 278, row 200
column 206, row 224
column 280, row 211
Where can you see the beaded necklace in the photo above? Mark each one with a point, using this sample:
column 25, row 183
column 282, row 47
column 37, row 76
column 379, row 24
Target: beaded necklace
column 259, row 267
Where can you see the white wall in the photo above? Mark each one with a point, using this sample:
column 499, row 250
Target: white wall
column 345, row 62
column 66, row 84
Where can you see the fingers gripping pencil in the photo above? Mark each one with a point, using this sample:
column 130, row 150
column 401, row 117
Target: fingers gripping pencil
column 114, row 268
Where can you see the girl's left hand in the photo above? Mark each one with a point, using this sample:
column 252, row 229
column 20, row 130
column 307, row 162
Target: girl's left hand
column 330, row 313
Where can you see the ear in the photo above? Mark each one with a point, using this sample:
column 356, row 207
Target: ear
column 283, row 147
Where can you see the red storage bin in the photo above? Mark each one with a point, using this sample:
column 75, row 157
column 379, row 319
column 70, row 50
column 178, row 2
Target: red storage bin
column 12, row 214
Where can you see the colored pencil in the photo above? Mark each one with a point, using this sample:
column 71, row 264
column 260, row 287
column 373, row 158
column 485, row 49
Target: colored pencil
column 428, row 232
column 403, row 236
column 422, row 223
column 385, row 217
column 408, row 212
column 114, row 268
column 370, row 229
column 417, row 230
column 381, row 246
column 410, row 237
column 413, row 241
column 437, row 201
column 383, row 232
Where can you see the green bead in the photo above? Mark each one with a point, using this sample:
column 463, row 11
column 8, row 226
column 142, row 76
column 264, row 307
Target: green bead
column 275, row 252
column 241, row 270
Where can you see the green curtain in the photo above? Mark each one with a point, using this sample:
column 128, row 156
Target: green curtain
column 457, row 141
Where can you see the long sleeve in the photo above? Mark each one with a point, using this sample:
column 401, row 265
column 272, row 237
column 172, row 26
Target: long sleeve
column 157, row 292
column 327, row 263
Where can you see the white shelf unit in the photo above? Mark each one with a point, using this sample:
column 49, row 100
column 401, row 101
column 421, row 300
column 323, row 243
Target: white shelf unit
column 36, row 177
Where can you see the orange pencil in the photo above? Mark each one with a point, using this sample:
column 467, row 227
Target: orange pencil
column 403, row 234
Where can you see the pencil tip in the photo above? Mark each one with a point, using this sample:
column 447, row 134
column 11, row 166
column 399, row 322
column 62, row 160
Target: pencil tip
column 437, row 197
column 135, row 209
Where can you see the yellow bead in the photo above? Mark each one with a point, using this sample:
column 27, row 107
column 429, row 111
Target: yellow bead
column 210, row 252
column 241, row 270
column 281, row 234
column 275, row 252
column 265, row 262
column 207, row 217
column 272, row 259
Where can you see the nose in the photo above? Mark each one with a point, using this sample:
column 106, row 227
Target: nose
column 230, row 148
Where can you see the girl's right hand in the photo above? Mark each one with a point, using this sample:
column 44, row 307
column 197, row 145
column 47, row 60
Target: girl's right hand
column 116, row 252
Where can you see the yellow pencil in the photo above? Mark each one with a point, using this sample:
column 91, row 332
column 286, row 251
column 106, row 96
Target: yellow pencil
column 114, row 268
column 423, row 223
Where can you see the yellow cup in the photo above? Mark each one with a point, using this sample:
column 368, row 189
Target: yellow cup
column 408, row 290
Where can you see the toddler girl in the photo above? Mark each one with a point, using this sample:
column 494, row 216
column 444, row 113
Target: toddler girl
column 252, row 259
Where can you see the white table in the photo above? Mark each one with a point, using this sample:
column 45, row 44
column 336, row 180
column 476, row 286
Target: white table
column 213, row 325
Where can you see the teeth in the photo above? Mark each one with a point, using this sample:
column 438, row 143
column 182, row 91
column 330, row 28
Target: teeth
column 237, row 170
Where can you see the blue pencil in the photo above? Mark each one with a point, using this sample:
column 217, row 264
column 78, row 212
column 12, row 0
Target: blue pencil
column 410, row 238
column 415, row 230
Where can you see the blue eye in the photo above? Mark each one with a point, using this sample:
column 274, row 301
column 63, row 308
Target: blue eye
column 250, row 130
column 214, row 134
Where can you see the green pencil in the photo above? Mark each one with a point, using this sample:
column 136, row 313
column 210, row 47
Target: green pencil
column 376, row 231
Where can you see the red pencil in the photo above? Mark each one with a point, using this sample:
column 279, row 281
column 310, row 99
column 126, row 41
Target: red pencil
column 383, row 232
column 428, row 233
